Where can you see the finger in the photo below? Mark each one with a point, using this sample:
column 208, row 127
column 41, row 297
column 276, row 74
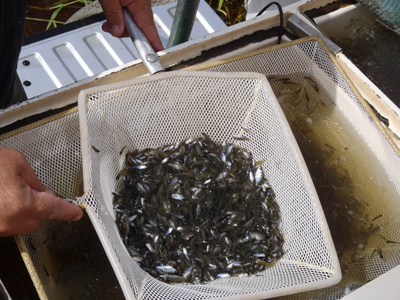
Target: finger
column 29, row 226
column 49, row 206
column 47, row 190
column 25, row 170
column 106, row 28
column 143, row 15
column 115, row 18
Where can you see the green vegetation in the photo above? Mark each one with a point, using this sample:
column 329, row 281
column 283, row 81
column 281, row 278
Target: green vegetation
column 45, row 14
column 233, row 11
column 57, row 8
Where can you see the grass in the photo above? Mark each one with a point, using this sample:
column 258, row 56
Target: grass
column 56, row 9
column 45, row 14
column 232, row 11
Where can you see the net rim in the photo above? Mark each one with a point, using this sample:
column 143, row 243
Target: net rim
column 83, row 100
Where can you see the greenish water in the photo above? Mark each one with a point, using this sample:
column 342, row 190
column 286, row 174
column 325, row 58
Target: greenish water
column 373, row 48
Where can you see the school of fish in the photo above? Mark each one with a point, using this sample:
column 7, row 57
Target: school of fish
column 197, row 211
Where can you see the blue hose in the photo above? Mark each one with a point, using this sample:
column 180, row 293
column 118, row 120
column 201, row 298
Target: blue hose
column 387, row 12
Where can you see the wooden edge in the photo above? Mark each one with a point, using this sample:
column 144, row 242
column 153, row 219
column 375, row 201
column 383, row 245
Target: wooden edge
column 314, row 5
column 374, row 99
column 38, row 123
column 30, row 267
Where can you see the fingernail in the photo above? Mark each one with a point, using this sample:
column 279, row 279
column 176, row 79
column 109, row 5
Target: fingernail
column 114, row 29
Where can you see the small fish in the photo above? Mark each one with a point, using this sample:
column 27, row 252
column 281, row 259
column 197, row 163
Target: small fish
column 330, row 147
column 186, row 253
column 260, row 162
column 186, row 233
column 259, row 255
column 122, row 150
column 150, row 247
column 168, row 232
column 206, row 136
column 95, row 149
column 246, row 129
column 289, row 82
column 140, row 167
column 377, row 217
column 240, row 138
column 166, row 269
column 263, row 262
column 190, row 212
column 309, row 110
column 283, row 79
column 235, row 264
column 257, row 236
column 178, row 197
column 188, row 272
column 258, row 176
column 251, row 176
column 241, row 275
column 312, row 82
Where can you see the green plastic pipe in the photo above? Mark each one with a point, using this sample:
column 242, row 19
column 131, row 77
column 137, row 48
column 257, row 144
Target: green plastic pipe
column 387, row 12
column 185, row 15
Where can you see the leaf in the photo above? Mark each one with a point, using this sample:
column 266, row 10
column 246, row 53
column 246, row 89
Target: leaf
column 220, row 4
column 54, row 15
column 223, row 12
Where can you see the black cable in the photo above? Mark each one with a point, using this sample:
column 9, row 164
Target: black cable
column 280, row 18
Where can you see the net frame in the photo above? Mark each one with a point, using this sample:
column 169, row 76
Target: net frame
column 105, row 124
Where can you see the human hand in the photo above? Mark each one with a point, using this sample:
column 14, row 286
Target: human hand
column 141, row 12
column 24, row 200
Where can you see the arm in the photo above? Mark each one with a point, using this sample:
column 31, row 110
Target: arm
column 24, row 200
column 141, row 12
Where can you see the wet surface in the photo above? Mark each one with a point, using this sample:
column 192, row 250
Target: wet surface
column 352, row 185
column 13, row 272
column 75, row 262
column 373, row 48
column 340, row 166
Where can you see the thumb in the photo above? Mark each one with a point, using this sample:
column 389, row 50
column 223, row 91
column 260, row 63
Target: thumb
column 49, row 206
column 115, row 17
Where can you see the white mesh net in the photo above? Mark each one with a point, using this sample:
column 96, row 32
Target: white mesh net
column 340, row 140
column 352, row 163
column 53, row 149
column 171, row 107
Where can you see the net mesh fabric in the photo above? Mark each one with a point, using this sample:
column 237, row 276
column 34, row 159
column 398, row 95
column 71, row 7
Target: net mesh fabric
column 53, row 149
column 169, row 108
column 57, row 140
column 334, row 119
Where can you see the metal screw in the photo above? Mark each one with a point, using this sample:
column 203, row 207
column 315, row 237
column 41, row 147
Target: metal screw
column 151, row 58
column 26, row 62
column 27, row 83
